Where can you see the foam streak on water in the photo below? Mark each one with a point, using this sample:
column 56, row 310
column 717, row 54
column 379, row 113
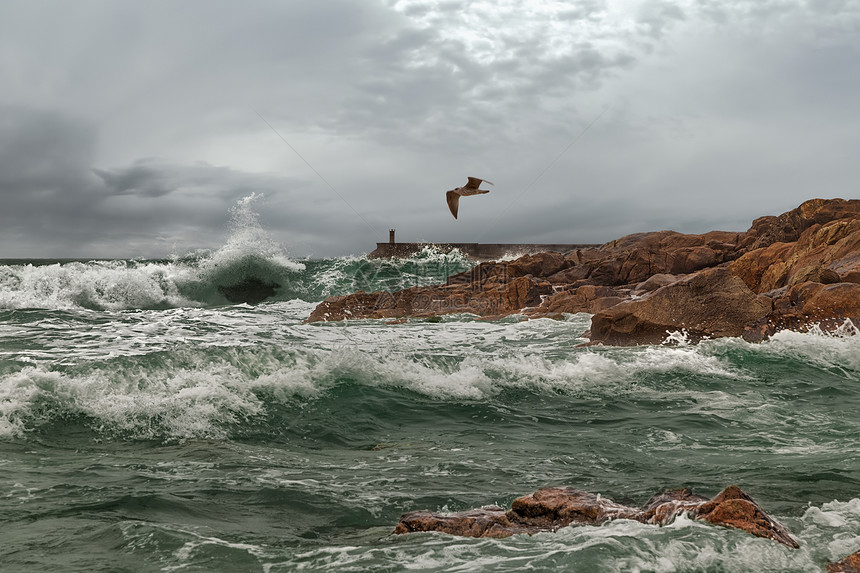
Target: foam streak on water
column 150, row 433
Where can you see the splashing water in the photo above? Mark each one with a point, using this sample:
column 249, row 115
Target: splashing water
column 251, row 266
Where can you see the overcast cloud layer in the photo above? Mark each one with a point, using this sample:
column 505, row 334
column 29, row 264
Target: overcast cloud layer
column 130, row 129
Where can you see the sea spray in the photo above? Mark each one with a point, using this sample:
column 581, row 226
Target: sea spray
column 250, row 267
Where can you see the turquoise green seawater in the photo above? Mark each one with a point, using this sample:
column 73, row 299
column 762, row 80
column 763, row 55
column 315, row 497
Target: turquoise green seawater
column 147, row 424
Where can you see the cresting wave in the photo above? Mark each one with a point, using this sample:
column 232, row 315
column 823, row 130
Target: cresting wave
column 250, row 267
column 196, row 379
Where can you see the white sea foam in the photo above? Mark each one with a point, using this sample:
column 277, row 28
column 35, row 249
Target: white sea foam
column 249, row 252
column 183, row 403
column 195, row 372
column 620, row 546
column 834, row 526
column 193, row 393
column 109, row 285
column 838, row 350
column 248, row 238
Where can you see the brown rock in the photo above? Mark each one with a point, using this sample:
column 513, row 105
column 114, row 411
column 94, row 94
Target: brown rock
column 587, row 298
column 637, row 257
column 815, row 274
column 822, row 252
column 818, row 242
column 489, row 521
column 850, row 564
column 851, row 277
column 734, row 508
column 604, row 303
column 539, row 265
column 711, row 303
column 692, row 259
column 656, row 281
column 552, row 508
column 571, row 275
column 809, row 305
column 665, row 506
column 788, row 227
column 493, row 297
column 752, row 266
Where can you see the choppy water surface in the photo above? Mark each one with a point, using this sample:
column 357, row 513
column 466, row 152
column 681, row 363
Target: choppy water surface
column 147, row 424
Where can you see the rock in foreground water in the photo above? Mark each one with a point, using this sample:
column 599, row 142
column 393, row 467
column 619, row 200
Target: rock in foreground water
column 552, row 508
column 850, row 564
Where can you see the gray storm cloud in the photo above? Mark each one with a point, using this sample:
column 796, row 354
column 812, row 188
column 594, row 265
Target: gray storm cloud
column 131, row 129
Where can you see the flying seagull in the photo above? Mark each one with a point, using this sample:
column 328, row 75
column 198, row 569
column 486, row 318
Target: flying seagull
column 470, row 188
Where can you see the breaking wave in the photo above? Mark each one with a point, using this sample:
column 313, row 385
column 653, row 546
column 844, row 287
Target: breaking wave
column 219, row 373
column 251, row 267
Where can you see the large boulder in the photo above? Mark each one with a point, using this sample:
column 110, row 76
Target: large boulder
column 538, row 265
column 550, row 509
column 735, row 508
column 656, row 281
column 635, row 258
column 488, row 521
column 710, row 303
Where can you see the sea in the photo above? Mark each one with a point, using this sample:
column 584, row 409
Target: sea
column 150, row 423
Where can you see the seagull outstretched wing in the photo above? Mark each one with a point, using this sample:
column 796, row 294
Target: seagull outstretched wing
column 453, row 199
column 474, row 183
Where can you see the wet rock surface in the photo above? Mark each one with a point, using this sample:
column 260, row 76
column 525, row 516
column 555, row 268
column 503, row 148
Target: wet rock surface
column 552, row 508
column 850, row 564
column 799, row 270
column 711, row 303
column 826, row 307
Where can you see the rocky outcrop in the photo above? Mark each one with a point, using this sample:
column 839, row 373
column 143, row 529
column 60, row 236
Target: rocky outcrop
column 791, row 271
column 789, row 226
column 823, row 253
column 635, row 258
column 552, row 508
column 711, row 303
column 494, row 296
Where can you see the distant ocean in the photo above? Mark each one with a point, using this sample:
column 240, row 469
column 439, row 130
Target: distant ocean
column 147, row 423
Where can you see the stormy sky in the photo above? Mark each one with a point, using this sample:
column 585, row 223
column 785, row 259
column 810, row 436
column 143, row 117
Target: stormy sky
column 130, row 129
